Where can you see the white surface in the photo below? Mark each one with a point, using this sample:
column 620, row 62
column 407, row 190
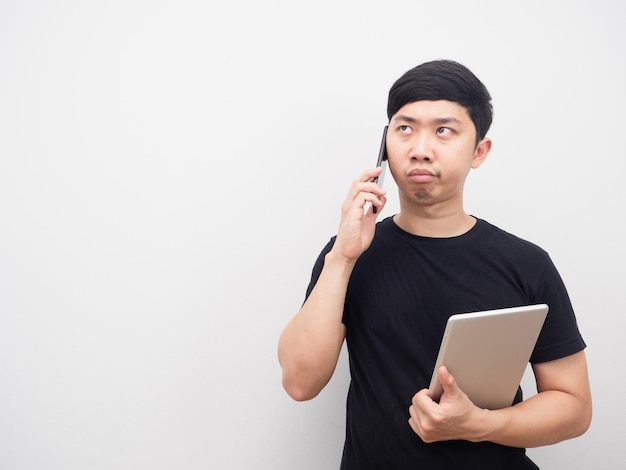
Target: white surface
column 169, row 171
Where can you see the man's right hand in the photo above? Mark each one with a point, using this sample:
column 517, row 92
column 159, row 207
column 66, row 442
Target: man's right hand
column 357, row 226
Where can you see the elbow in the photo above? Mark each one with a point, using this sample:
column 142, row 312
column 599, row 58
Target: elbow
column 304, row 379
column 585, row 414
column 584, row 422
column 580, row 425
column 302, row 383
column 298, row 390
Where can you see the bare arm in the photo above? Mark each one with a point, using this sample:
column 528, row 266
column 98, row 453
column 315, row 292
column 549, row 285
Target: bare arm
column 561, row 410
column 310, row 344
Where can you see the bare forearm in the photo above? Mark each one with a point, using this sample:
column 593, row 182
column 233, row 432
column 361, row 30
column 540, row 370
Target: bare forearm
column 561, row 410
column 311, row 342
column 544, row 419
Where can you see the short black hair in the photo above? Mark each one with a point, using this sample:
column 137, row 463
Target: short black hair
column 444, row 80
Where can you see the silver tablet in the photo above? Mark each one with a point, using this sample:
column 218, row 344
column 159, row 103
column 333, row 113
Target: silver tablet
column 487, row 353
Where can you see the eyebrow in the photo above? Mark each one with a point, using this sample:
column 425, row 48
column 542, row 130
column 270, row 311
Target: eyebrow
column 441, row 120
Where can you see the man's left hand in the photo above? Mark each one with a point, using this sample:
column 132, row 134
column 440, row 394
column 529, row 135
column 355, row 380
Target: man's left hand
column 449, row 419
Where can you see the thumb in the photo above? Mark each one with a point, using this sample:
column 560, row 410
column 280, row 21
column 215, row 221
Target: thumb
column 448, row 382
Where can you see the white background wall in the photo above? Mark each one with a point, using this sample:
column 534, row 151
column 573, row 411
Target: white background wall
column 169, row 171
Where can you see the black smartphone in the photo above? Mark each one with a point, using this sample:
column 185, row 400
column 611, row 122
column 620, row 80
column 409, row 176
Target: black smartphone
column 382, row 162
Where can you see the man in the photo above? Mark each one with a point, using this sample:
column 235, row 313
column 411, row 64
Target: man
column 389, row 287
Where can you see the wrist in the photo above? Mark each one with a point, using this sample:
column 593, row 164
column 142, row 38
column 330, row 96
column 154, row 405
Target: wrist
column 334, row 259
column 487, row 424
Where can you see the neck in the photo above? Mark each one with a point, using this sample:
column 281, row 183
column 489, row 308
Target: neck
column 428, row 222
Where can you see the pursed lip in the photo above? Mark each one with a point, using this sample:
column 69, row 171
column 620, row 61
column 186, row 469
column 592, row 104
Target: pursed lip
column 421, row 175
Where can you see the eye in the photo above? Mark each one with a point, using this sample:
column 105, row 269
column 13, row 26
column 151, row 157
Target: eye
column 405, row 129
column 444, row 131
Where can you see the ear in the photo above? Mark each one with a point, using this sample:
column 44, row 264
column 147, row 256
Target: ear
column 481, row 152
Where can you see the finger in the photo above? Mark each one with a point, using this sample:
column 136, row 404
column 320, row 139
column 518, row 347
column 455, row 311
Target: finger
column 420, row 419
column 414, row 423
column 365, row 182
column 421, row 403
column 376, row 207
column 414, row 417
column 372, row 173
column 362, row 193
column 360, row 200
column 448, row 381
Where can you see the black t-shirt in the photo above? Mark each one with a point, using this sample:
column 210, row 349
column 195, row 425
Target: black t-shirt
column 400, row 295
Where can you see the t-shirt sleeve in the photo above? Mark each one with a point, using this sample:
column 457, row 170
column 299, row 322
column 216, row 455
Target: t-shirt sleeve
column 317, row 267
column 560, row 336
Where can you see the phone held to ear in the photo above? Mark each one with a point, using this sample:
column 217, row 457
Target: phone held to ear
column 382, row 162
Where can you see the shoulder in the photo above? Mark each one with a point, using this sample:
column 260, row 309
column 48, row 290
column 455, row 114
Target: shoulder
column 496, row 237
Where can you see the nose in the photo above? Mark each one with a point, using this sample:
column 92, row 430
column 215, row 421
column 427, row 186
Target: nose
column 421, row 148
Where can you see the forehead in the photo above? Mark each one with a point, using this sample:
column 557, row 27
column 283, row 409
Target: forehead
column 432, row 110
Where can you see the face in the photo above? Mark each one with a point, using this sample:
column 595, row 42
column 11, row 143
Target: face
column 432, row 147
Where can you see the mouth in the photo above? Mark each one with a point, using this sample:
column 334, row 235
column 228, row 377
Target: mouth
column 420, row 175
